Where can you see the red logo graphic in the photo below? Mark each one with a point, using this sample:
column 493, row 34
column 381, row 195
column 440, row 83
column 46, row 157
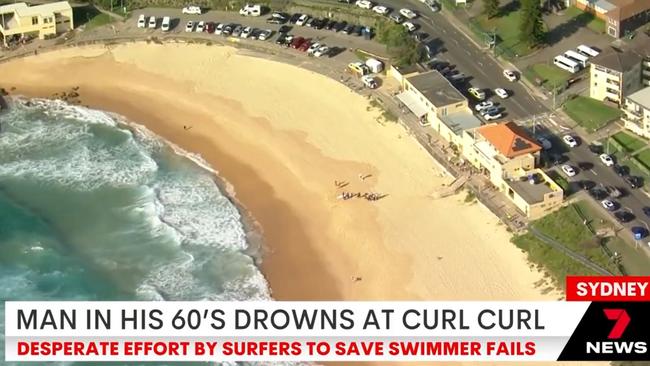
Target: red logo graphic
column 622, row 321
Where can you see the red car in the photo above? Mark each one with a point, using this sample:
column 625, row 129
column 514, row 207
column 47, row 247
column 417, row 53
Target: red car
column 304, row 46
column 209, row 27
column 297, row 42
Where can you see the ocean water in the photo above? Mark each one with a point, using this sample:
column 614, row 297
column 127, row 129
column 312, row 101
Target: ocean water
column 94, row 209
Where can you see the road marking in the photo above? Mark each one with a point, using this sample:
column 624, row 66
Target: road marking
column 593, row 171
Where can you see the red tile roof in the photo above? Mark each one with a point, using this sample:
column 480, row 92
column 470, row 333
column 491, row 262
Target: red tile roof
column 509, row 139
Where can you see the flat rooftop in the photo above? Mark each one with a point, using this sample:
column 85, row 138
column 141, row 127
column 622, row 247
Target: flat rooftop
column 436, row 88
column 43, row 9
column 642, row 97
column 460, row 121
column 531, row 193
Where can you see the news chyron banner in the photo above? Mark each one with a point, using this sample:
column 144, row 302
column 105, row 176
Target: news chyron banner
column 604, row 318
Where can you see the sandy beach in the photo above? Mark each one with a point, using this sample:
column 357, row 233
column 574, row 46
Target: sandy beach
column 281, row 136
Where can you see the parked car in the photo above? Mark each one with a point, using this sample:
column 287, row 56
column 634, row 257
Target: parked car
column 380, row 9
column 265, row 34
column 420, row 36
column 294, row 18
column 646, row 211
column 330, row 25
column 568, row 170
column 152, row 22
column 142, row 21
column 489, row 110
column 510, row 75
column 284, row 29
column 304, row 46
column 606, row 159
column 166, row 24
column 348, row 29
column 209, row 27
column 189, row 27
column 246, row 32
column 322, row 51
column 280, row 40
column 546, row 143
column 228, row 29
column 409, row 26
column 200, row 27
column 302, row 20
column 309, row 22
column 313, row 48
column 476, row 93
column 609, row 205
column 624, row 216
column 369, row 81
column 274, row 21
column 621, row 170
column 357, row 30
column 598, row 194
column 396, row 18
column 408, row 13
column 297, row 42
column 490, row 117
column 253, row 10
column 364, row 4
column 192, row 10
column 633, row 182
column 484, row 105
column 570, row 141
column 501, row 93
column 219, row 28
column 237, row 31
column 339, row 27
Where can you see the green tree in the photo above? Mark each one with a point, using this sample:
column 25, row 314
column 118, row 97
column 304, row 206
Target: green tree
column 401, row 47
column 531, row 27
column 491, row 8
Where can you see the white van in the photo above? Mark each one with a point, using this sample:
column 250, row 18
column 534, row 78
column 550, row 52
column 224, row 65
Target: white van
column 251, row 10
column 152, row 22
column 166, row 24
column 142, row 23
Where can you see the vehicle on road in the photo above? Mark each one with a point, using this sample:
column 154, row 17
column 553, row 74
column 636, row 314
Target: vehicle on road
column 609, row 205
column 196, row 10
column 166, row 24
column 408, row 13
column 227, row 29
column 596, row 148
column 546, row 143
column 142, row 21
column 501, row 93
column 633, row 182
column 380, row 9
column 639, row 232
column 364, row 4
column 587, row 185
column 189, row 26
column 302, row 20
column 606, row 159
column 621, row 170
column 152, row 22
column 646, row 211
column 348, row 29
column 510, row 75
column 284, row 29
column 490, row 117
column 568, row 170
column 294, row 18
column 476, row 93
column 410, row 26
column 322, row 51
column 200, row 27
column 598, row 193
column 434, row 7
column 246, row 32
column 490, row 110
column 369, row 81
column 624, row 216
column 570, row 141
column 483, row 105
column 396, row 18
column 340, row 26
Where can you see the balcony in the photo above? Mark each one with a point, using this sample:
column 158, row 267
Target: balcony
column 613, row 82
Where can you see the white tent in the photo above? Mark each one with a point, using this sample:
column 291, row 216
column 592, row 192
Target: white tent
column 374, row 65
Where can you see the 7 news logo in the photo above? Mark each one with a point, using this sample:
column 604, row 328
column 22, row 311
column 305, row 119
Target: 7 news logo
column 614, row 345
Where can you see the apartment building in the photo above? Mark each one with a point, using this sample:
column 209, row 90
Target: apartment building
column 436, row 102
column 636, row 112
column 40, row 21
column 509, row 156
column 620, row 16
column 614, row 74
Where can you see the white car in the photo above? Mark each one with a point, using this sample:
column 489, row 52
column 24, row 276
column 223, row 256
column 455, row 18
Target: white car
column 166, row 24
column 313, row 48
column 265, row 34
column 246, row 32
column 380, row 9
column 322, row 51
column 192, row 10
column 510, row 75
column 200, row 27
column 483, row 105
column 489, row 117
column 190, row 26
column 408, row 13
column 409, row 26
column 152, row 22
column 251, row 10
column 609, row 205
column 570, row 141
column 142, row 22
column 219, row 28
column 502, row 93
column 302, row 20
column 568, row 170
column 606, row 159
column 369, row 81
column 364, row 4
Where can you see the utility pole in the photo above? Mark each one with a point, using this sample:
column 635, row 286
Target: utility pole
column 494, row 40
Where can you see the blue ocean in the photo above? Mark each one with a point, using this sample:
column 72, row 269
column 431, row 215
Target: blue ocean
column 95, row 208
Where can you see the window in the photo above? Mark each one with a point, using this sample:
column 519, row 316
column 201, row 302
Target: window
column 34, row 20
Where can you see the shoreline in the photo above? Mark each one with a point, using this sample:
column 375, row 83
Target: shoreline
column 290, row 159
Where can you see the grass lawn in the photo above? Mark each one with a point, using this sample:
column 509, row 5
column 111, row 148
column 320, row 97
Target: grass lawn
column 593, row 23
column 644, row 158
column 507, row 29
column 98, row 21
column 565, row 226
column 590, row 113
column 629, row 142
column 550, row 75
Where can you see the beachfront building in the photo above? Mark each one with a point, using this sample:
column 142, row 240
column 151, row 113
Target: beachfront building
column 509, row 156
column 636, row 112
column 435, row 102
column 615, row 74
column 40, row 21
column 620, row 16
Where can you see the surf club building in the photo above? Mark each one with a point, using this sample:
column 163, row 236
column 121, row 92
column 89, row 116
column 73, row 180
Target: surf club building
column 42, row 21
column 509, row 156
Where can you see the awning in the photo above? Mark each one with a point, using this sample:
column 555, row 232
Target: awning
column 413, row 103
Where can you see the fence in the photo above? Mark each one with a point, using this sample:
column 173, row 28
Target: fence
column 490, row 39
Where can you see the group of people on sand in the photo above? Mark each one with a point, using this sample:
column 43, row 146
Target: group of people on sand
column 369, row 196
